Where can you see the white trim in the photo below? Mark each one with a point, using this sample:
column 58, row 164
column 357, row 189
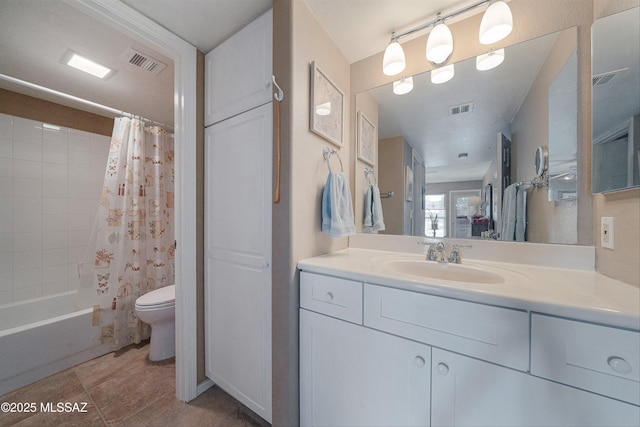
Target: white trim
column 204, row 386
column 128, row 21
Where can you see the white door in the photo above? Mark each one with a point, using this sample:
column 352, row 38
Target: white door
column 354, row 376
column 469, row 392
column 463, row 204
column 238, row 257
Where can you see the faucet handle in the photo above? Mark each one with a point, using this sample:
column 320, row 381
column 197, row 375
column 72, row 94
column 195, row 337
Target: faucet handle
column 432, row 254
column 454, row 256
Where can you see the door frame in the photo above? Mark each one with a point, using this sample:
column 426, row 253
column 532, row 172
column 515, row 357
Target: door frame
column 130, row 22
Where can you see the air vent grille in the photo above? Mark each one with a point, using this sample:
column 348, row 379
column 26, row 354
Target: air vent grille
column 461, row 109
column 604, row 78
column 143, row 62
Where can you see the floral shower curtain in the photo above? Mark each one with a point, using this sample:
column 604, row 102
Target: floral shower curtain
column 132, row 246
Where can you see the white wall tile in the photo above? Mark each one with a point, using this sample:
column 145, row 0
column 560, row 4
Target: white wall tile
column 6, row 186
column 54, row 223
column 6, row 204
column 6, row 147
column 54, row 172
column 79, row 238
column 27, row 130
column 100, row 144
column 79, row 174
column 6, row 297
column 27, row 205
column 6, row 224
column 27, row 169
column 79, row 140
column 27, row 278
column 6, row 281
column 79, row 223
column 27, row 241
column 27, row 224
column 58, row 156
column 98, row 161
column 6, row 261
column 27, row 187
column 55, row 288
column 76, row 253
column 54, row 240
column 52, row 257
column 80, row 159
column 25, row 294
column 55, row 188
column 55, row 138
column 6, row 242
column 72, row 271
column 27, row 260
column 79, row 190
column 54, row 206
column 6, row 126
column 74, row 284
column 78, row 207
column 54, row 273
column 27, row 151
column 6, row 167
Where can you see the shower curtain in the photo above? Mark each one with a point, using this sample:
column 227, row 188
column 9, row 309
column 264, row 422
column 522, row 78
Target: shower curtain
column 131, row 251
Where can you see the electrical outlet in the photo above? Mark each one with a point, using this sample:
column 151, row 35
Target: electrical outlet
column 607, row 232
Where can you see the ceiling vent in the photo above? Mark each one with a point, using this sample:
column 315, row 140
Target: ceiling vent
column 604, row 78
column 461, row 109
column 139, row 60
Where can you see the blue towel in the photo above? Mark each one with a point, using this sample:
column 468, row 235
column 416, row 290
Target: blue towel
column 337, row 210
column 373, row 218
column 514, row 214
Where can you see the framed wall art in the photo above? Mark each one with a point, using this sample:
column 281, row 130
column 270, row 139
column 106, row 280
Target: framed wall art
column 326, row 107
column 367, row 139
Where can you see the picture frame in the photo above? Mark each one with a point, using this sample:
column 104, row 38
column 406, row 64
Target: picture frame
column 326, row 107
column 367, row 139
column 408, row 184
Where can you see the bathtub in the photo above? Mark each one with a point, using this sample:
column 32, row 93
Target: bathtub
column 44, row 336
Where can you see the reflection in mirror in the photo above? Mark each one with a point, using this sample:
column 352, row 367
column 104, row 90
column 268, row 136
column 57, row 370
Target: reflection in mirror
column 474, row 136
column 616, row 101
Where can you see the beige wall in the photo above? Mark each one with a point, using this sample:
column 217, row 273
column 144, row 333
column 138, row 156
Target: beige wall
column 368, row 105
column 548, row 221
column 391, row 175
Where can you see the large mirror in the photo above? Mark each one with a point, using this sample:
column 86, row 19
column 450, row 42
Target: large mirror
column 475, row 135
column 616, row 101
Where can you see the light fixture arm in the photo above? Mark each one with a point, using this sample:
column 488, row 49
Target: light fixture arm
column 432, row 23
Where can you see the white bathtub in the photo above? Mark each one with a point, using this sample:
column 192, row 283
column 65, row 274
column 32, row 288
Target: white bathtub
column 43, row 336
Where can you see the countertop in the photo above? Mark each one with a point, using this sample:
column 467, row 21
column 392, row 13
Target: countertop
column 576, row 294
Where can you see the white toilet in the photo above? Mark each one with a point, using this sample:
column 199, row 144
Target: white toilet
column 158, row 309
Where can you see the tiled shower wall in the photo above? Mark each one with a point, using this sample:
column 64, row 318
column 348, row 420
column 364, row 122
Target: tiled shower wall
column 50, row 184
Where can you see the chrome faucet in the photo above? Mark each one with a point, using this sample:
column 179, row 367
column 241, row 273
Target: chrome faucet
column 442, row 252
column 455, row 256
column 438, row 252
column 431, row 253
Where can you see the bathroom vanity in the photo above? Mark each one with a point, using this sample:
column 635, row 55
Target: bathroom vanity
column 388, row 339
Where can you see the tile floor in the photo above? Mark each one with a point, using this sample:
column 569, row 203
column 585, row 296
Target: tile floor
column 125, row 389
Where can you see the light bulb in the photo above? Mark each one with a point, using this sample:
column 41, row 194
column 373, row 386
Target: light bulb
column 393, row 61
column 442, row 74
column 489, row 60
column 323, row 109
column 439, row 44
column 405, row 85
column 497, row 23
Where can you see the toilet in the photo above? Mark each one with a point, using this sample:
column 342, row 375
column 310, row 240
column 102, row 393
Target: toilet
column 158, row 309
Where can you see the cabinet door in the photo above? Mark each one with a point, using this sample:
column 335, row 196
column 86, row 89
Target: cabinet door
column 354, row 376
column 238, row 72
column 238, row 257
column 469, row 392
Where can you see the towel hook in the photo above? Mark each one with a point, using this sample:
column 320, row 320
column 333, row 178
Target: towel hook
column 327, row 153
column 367, row 173
column 280, row 95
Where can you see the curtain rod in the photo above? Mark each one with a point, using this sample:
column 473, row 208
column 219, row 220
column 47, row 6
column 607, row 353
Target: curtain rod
column 80, row 100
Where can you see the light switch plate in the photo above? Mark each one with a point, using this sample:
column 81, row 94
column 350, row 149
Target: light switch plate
column 607, row 232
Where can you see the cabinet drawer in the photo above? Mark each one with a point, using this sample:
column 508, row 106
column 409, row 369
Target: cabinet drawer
column 598, row 358
column 340, row 298
column 495, row 334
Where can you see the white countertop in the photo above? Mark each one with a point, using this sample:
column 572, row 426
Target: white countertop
column 577, row 294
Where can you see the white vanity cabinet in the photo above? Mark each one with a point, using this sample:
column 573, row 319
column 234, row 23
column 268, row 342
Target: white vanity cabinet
column 355, row 376
column 370, row 371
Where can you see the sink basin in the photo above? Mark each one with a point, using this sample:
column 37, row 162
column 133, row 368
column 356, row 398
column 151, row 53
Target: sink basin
column 445, row 271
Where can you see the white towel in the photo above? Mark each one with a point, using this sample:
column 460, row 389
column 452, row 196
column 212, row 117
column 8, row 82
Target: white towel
column 337, row 210
column 514, row 214
column 373, row 218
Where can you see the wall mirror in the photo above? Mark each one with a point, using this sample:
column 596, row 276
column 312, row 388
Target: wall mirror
column 616, row 101
column 478, row 133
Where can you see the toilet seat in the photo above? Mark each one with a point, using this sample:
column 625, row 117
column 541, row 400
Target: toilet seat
column 158, row 299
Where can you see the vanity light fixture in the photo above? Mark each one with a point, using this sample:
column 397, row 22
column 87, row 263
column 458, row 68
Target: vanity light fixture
column 442, row 74
column 496, row 24
column 323, row 109
column 402, row 86
column 82, row 63
column 489, row 60
column 439, row 43
column 393, row 62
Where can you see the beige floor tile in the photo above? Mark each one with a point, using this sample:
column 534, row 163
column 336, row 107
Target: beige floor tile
column 102, row 368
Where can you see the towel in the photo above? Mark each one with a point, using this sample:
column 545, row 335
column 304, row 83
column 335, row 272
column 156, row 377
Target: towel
column 337, row 210
column 514, row 213
column 373, row 218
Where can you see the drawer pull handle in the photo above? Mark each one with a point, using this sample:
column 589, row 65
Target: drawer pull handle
column 443, row 369
column 418, row 361
column 329, row 296
column 619, row 365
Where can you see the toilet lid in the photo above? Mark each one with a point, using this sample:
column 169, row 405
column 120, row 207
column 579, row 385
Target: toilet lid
column 159, row 296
